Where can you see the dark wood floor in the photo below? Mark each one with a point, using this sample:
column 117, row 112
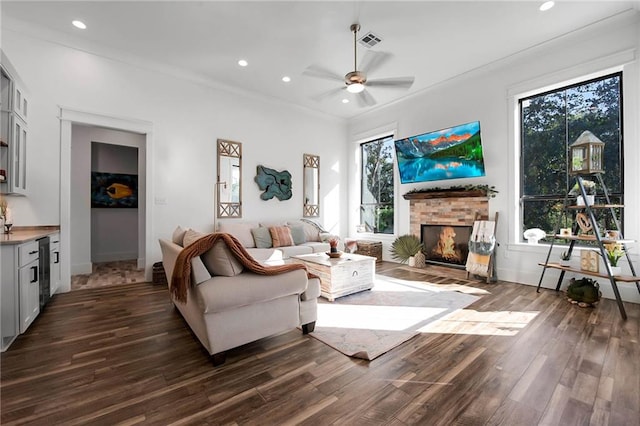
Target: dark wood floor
column 123, row 355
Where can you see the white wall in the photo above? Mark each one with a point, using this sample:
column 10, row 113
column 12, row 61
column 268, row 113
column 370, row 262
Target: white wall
column 80, row 231
column 187, row 119
column 486, row 95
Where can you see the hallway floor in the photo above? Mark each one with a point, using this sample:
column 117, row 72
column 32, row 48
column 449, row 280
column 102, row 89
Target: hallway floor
column 109, row 274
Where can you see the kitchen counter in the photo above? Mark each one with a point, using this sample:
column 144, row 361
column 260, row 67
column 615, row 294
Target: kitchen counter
column 22, row 234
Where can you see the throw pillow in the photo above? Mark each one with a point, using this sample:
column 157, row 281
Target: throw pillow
column 311, row 232
column 220, row 261
column 242, row 231
column 199, row 272
column 178, row 236
column 190, row 236
column 272, row 224
column 262, row 237
column 297, row 234
column 281, row 236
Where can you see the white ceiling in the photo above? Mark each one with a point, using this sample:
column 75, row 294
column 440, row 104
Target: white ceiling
column 431, row 40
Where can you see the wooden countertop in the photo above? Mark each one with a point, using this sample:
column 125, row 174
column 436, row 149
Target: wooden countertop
column 23, row 234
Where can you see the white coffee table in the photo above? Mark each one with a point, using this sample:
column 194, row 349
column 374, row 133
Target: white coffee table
column 350, row 273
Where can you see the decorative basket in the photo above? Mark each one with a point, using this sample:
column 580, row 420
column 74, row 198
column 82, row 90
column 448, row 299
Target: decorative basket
column 370, row 248
column 159, row 277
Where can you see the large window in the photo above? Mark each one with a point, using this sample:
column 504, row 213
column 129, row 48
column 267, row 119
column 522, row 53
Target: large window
column 550, row 123
column 376, row 199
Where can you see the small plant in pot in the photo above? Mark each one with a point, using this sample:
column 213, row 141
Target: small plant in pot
column 614, row 252
column 565, row 258
column 333, row 244
column 405, row 247
column 589, row 189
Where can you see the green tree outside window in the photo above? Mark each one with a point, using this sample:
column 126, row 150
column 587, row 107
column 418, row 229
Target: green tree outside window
column 377, row 186
column 550, row 123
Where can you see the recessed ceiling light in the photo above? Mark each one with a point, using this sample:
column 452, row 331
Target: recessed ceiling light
column 286, row 79
column 79, row 24
column 345, row 101
column 243, row 63
column 547, row 5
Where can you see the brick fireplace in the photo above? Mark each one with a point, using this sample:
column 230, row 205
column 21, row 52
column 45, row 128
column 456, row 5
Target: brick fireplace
column 446, row 208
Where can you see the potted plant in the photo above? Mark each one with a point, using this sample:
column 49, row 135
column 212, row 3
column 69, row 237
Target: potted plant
column 614, row 252
column 333, row 244
column 405, row 247
column 589, row 189
column 565, row 258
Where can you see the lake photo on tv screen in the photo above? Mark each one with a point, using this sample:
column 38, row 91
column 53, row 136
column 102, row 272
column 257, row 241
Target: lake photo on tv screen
column 451, row 153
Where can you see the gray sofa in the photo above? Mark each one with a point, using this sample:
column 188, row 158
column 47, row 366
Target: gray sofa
column 257, row 237
column 228, row 306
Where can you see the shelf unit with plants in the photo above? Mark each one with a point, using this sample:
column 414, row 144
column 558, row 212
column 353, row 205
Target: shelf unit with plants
column 586, row 163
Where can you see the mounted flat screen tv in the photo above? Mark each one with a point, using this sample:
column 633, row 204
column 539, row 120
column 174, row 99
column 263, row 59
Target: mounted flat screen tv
column 452, row 153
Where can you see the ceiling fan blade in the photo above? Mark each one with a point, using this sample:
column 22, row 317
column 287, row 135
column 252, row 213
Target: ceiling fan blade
column 373, row 60
column 319, row 72
column 399, row 82
column 328, row 94
column 365, row 99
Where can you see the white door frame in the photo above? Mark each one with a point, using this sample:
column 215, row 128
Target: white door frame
column 68, row 117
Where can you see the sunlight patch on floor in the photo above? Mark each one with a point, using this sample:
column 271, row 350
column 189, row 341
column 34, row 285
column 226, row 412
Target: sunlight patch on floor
column 391, row 318
column 491, row 323
column 426, row 285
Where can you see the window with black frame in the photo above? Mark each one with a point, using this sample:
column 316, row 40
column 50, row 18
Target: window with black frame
column 377, row 185
column 550, row 122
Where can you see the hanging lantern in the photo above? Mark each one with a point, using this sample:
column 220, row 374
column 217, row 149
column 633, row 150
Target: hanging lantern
column 586, row 154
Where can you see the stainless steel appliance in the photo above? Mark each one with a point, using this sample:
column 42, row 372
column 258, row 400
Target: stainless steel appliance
column 44, row 271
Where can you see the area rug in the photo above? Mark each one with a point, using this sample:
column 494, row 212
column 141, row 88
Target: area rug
column 367, row 324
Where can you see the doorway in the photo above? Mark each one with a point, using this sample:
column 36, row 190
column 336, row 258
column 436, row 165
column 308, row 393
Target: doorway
column 75, row 212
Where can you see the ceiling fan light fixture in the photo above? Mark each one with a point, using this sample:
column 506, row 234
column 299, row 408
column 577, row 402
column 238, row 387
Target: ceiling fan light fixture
column 355, row 88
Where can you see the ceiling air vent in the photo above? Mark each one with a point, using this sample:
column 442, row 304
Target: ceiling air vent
column 369, row 40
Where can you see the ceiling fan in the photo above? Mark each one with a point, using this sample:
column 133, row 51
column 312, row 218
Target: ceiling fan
column 356, row 81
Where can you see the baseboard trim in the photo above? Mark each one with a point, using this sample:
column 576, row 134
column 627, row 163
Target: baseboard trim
column 113, row 257
column 81, row 268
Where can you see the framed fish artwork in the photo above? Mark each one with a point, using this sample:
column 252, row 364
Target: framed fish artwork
column 114, row 190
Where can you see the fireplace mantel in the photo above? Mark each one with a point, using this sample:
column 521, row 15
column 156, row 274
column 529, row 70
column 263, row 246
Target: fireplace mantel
column 444, row 194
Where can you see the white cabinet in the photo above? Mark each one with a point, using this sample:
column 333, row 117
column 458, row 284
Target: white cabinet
column 29, row 286
column 13, row 131
column 18, row 179
column 20, row 103
column 56, row 278
column 19, row 289
column 9, row 297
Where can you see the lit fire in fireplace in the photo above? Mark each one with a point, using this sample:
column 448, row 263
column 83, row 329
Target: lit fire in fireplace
column 446, row 243
column 446, row 248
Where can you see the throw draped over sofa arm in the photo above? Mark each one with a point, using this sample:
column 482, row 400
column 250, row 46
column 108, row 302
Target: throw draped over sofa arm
column 181, row 277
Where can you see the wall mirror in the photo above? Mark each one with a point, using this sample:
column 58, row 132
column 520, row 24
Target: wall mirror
column 311, row 184
column 229, row 182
